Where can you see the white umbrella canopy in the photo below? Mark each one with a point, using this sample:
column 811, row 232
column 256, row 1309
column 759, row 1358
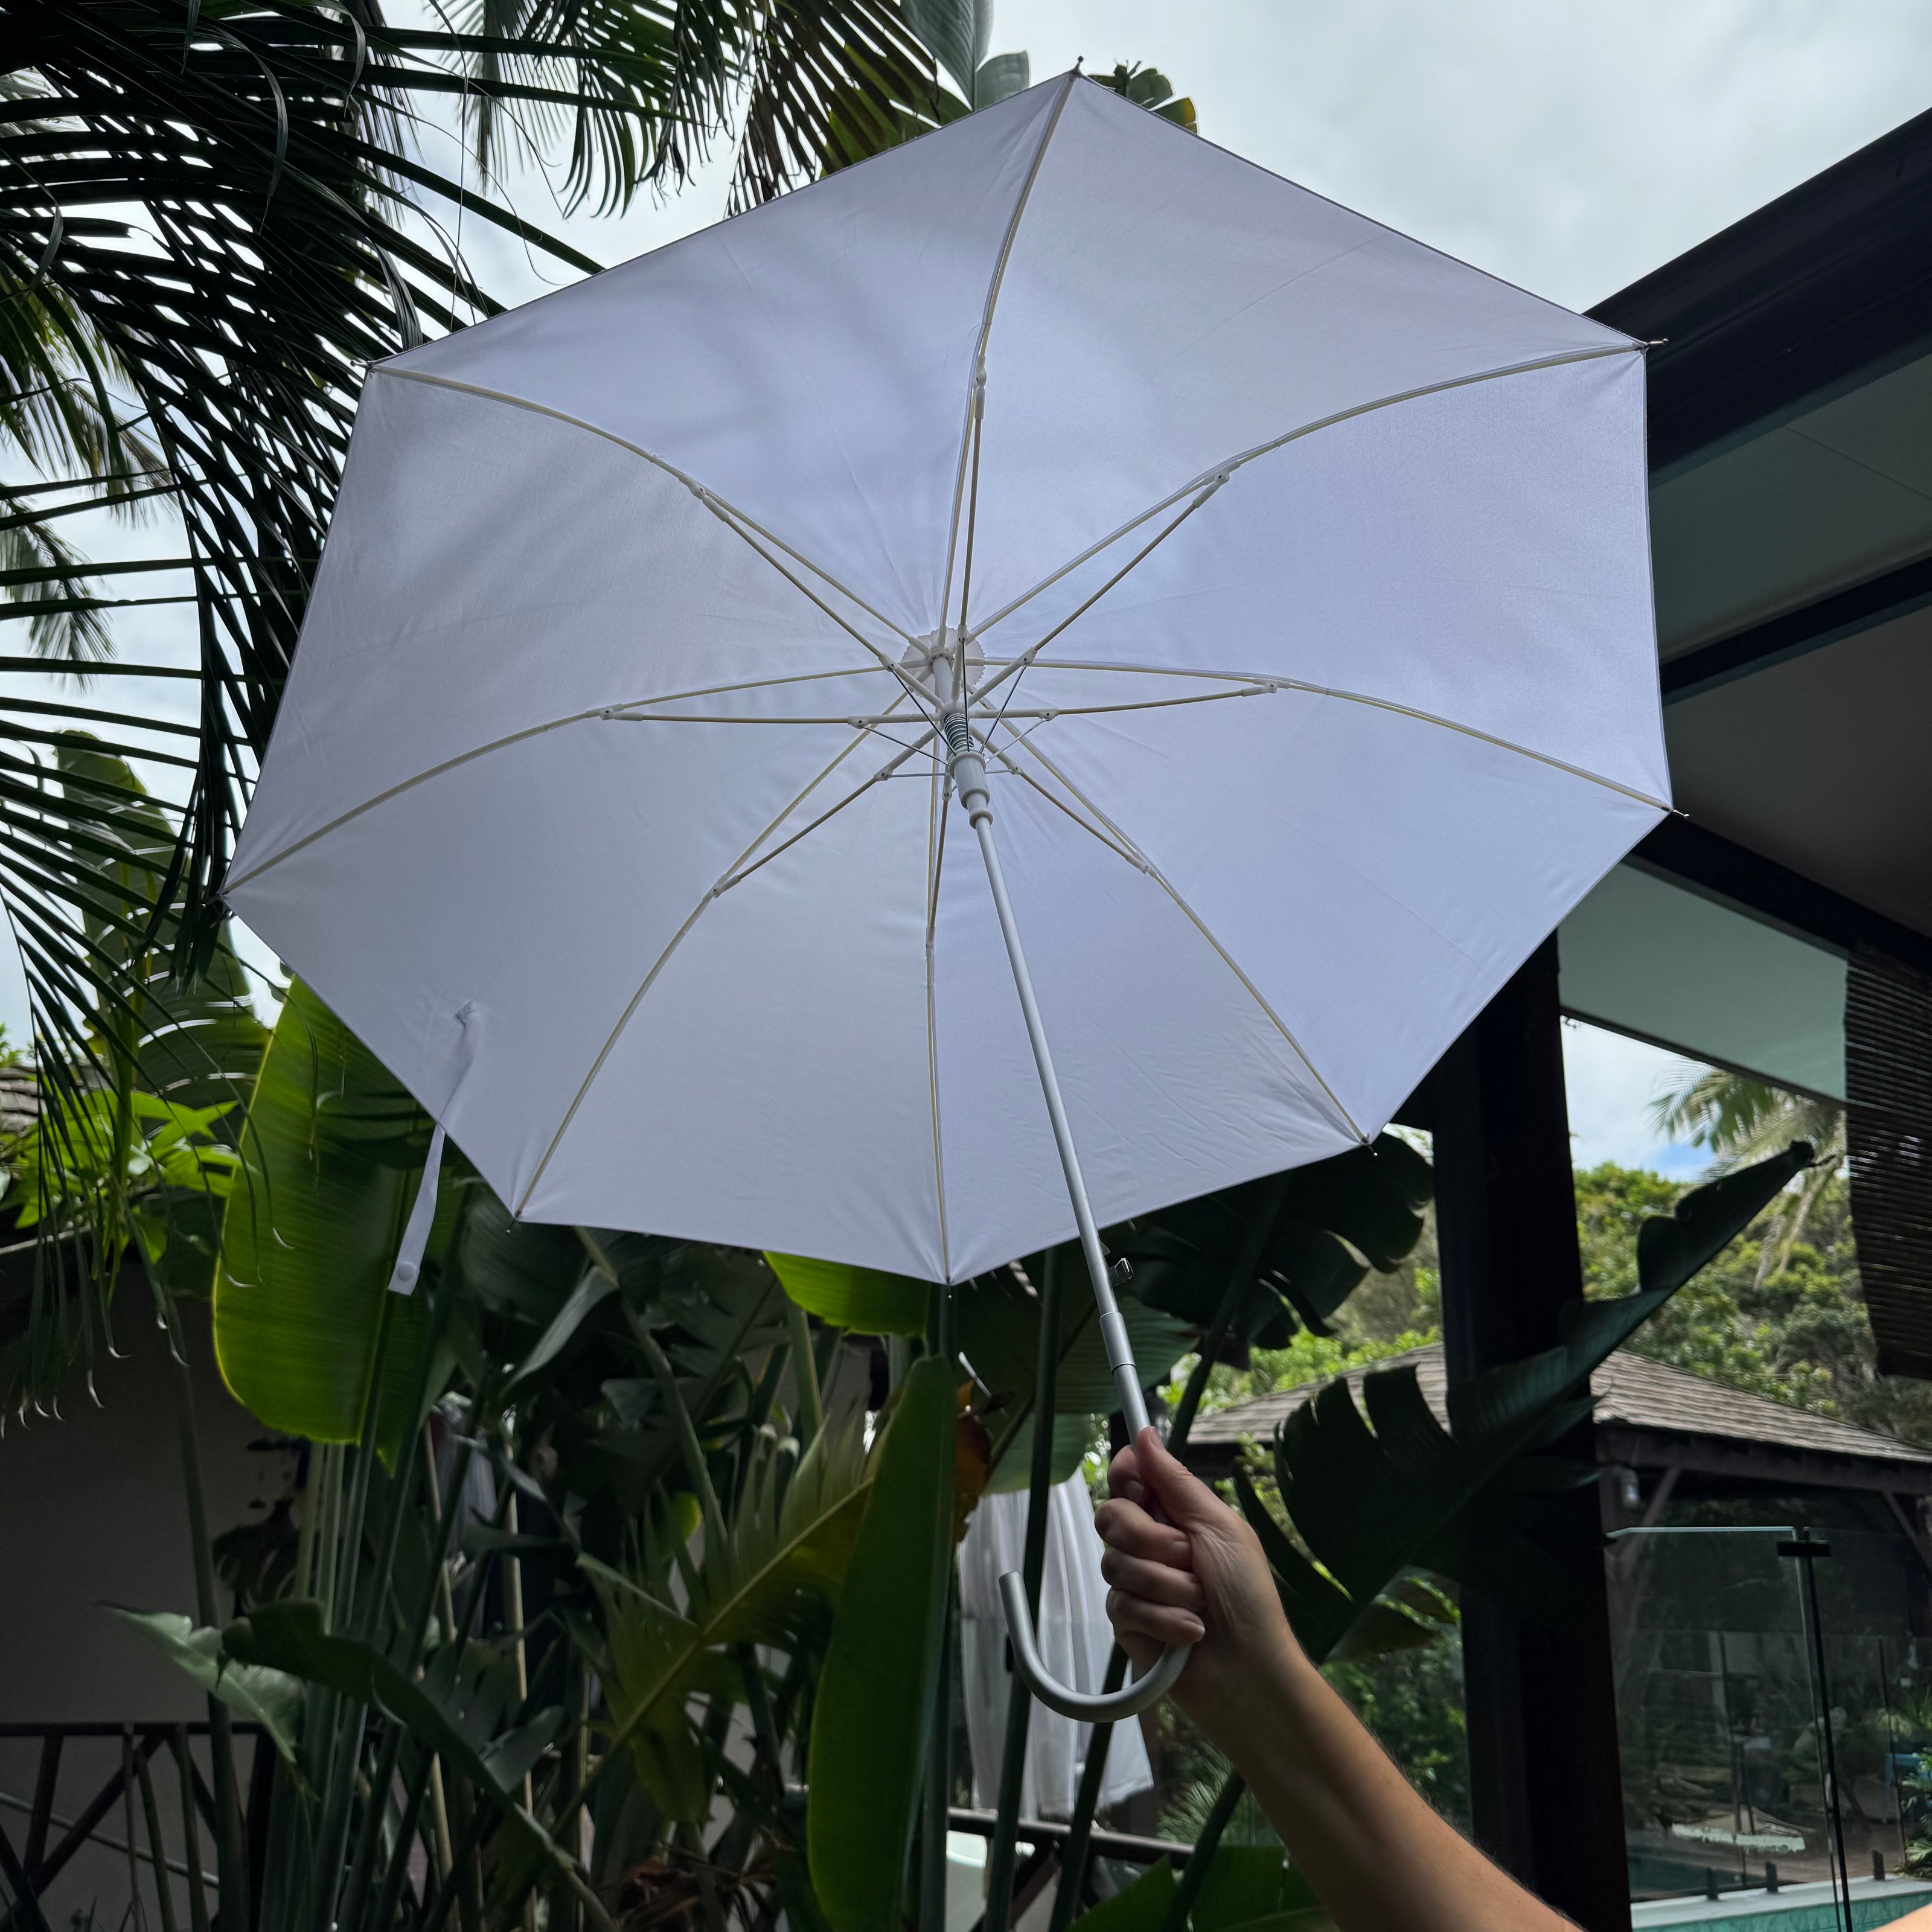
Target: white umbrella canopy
column 605, row 803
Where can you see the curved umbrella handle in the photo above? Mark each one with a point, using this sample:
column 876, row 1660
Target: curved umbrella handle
column 1129, row 1701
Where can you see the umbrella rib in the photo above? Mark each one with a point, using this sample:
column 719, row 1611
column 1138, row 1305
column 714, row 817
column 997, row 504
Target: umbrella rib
column 1226, row 468
column 1470, row 731
column 1262, row 685
column 601, row 711
column 1136, row 859
column 726, row 511
column 975, row 386
column 730, row 877
column 724, row 514
column 1130, row 849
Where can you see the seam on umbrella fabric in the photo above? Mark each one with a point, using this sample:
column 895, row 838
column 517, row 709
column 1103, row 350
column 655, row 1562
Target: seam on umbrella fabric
column 711, row 897
column 1153, row 872
column 975, row 392
column 1231, row 463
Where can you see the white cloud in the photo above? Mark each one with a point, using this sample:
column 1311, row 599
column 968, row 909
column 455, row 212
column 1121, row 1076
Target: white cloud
column 1612, row 1082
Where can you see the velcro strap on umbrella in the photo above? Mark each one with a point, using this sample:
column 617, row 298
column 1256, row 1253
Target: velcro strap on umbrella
column 403, row 1277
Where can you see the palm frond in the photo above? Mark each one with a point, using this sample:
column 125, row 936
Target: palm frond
column 830, row 82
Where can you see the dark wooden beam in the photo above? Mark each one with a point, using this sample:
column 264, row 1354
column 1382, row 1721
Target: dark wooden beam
column 1545, row 1790
column 1772, row 1469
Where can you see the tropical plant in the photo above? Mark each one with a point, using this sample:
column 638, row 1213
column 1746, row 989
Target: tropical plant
column 541, row 1681
column 214, row 214
column 1740, row 1121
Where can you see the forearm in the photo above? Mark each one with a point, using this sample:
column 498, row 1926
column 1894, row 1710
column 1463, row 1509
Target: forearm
column 1380, row 1859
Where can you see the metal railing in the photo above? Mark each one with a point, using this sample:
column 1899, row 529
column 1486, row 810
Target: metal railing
column 28, row 1871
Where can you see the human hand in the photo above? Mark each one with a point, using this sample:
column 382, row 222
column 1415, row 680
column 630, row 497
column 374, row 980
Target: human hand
column 1199, row 1578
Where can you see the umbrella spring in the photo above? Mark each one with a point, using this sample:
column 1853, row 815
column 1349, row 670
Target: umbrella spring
column 959, row 736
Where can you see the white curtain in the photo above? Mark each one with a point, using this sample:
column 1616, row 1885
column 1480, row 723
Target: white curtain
column 1074, row 1638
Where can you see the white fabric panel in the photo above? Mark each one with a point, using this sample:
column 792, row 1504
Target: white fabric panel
column 1169, row 305
column 796, row 1007
column 1176, row 1080
column 490, row 570
column 810, row 360
column 1075, row 1639
column 493, row 884
column 1647, row 958
column 1317, row 840
column 1479, row 554
column 1316, row 893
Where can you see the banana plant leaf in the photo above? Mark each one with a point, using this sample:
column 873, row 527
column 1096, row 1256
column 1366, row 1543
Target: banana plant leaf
column 867, row 1301
column 457, row 1707
column 1141, row 1907
column 330, row 1159
column 1250, row 1886
column 997, row 1322
column 1371, row 1495
column 874, row 1699
column 263, row 1695
column 714, row 1311
column 1072, row 1435
column 784, row 1561
column 1308, row 1238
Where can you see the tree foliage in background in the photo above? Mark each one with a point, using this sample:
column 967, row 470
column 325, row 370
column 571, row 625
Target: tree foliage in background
column 1741, row 1120
column 1797, row 1332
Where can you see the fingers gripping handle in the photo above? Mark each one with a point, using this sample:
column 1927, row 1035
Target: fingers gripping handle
column 1129, row 1701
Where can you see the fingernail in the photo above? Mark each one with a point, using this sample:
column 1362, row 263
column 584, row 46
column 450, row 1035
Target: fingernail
column 1196, row 1626
column 1132, row 1491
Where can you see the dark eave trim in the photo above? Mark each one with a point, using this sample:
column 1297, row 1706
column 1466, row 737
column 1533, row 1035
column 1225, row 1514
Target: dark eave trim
column 1834, row 277
column 1792, row 633
column 1631, row 1446
column 1692, row 855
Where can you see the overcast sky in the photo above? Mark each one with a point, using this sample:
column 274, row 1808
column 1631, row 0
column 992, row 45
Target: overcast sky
column 1568, row 148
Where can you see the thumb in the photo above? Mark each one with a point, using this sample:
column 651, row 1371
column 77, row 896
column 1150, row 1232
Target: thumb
column 1187, row 1501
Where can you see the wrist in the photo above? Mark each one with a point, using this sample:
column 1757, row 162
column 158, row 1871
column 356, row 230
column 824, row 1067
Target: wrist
column 1240, row 1695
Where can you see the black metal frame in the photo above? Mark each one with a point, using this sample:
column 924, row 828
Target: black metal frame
column 1796, row 634
column 1833, row 278
column 29, row 1871
column 1690, row 854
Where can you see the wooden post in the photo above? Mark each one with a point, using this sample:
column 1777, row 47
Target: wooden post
column 1545, row 1786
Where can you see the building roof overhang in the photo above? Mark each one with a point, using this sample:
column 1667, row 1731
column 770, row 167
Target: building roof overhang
column 1791, row 444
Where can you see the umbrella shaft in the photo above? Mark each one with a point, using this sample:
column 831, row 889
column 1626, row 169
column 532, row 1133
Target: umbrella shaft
column 969, row 774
